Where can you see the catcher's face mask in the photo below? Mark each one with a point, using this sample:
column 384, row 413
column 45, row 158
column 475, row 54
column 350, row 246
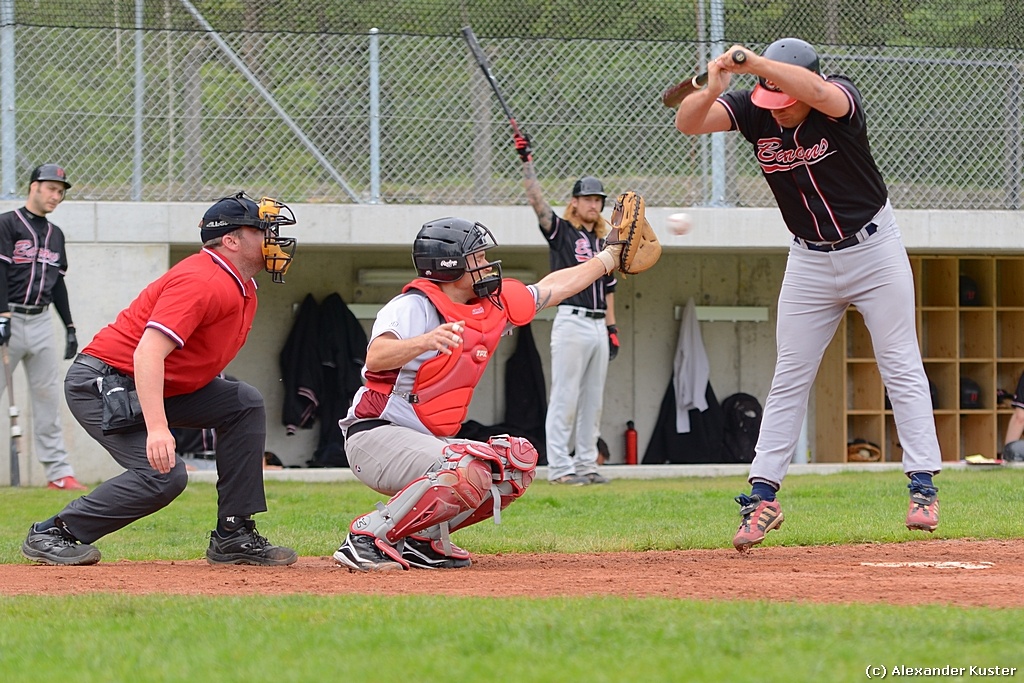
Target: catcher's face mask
column 486, row 275
column 277, row 250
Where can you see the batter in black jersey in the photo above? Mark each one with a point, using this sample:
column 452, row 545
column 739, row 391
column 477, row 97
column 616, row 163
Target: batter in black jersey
column 33, row 261
column 584, row 336
column 809, row 135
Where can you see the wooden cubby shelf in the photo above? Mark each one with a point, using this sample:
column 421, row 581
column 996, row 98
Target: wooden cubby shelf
column 983, row 341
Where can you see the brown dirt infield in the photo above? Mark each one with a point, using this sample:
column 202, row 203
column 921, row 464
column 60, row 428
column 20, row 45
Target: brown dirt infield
column 833, row 574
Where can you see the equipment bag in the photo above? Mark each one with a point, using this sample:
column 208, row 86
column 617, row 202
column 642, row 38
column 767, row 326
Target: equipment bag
column 742, row 413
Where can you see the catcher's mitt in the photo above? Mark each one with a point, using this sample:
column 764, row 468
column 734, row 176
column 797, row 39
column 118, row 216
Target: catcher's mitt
column 860, row 450
column 641, row 248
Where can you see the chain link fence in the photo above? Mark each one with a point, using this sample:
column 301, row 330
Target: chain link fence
column 165, row 100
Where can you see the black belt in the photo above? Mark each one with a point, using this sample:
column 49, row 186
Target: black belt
column 96, row 364
column 26, row 310
column 364, row 425
column 864, row 233
column 586, row 313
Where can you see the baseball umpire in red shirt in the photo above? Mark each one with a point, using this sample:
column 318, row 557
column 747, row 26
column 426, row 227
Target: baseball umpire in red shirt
column 156, row 367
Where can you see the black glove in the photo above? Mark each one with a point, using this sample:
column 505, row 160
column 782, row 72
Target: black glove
column 613, row 342
column 72, row 347
column 5, row 330
column 523, row 147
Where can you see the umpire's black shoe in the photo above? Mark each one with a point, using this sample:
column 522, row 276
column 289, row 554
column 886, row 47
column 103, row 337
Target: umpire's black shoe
column 56, row 546
column 426, row 553
column 246, row 546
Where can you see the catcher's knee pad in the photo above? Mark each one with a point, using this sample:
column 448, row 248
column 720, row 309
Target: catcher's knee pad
column 518, row 467
column 518, row 458
column 432, row 499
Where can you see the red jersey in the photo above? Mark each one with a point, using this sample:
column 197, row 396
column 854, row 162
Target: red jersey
column 202, row 305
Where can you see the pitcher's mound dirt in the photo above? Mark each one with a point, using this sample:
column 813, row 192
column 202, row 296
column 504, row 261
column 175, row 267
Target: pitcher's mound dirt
column 957, row 572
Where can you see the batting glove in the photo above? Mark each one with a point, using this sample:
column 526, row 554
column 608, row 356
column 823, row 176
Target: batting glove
column 523, row 147
column 72, row 347
column 613, row 342
column 5, row 330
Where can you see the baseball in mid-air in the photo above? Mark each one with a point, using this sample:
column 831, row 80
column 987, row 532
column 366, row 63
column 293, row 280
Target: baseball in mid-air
column 679, row 223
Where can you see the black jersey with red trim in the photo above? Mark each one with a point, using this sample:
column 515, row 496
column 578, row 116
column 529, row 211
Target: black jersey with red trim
column 33, row 248
column 822, row 174
column 571, row 246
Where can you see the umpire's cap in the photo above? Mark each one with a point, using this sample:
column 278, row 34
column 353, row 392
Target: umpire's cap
column 50, row 172
column 229, row 214
column 789, row 51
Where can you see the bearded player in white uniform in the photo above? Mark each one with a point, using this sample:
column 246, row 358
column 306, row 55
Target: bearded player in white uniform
column 809, row 135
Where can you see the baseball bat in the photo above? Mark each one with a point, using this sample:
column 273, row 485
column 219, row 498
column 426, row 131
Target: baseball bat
column 15, row 429
column 678, row 92
column 485, row 66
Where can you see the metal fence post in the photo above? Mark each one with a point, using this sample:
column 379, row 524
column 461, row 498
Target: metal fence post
column 374, row 116
column 717, row 139
column 1013, row 112
column 140, row 85
column 8, row 138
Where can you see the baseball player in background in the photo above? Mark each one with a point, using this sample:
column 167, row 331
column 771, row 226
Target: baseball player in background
column 158, row 366
column 809, row 135
column 584, row 336
column 33, row 261
column 428, row 349
column 1013, row 442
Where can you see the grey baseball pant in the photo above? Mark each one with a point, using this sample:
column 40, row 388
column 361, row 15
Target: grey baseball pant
column 234, row 409
column 579, row 367
column 33, row 343
column 818, row 287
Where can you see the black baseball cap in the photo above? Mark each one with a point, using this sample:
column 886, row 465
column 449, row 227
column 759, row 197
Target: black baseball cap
column 50, row 172
column 228, row 214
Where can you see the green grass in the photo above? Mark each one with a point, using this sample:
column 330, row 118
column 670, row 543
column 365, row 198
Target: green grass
column 371, row 638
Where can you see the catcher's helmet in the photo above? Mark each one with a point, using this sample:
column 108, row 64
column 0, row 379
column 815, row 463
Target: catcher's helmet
column 50, row 172
column 237, row 211
column 767, row 95
column 440, row 249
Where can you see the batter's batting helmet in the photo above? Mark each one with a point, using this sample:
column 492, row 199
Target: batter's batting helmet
column 50, row 172
column 440, row 249
column 970, row 393
column 789, row 51
column 589, row 186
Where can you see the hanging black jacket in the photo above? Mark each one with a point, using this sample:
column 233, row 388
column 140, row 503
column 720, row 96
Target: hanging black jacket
column 702, row 444
column 300, row 369
column 342, row 353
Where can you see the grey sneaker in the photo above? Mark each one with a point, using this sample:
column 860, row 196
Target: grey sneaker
column 571, row 480
column 426, row 553
column 247, row 546
column 57, row 547
column 360, row 552
column 594, row 478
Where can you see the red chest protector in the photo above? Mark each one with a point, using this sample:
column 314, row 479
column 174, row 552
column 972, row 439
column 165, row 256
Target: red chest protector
column 444, row 385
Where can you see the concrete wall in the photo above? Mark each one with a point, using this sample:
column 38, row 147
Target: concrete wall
column 734, row 257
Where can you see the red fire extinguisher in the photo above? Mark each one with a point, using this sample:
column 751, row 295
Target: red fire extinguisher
column 630, row 444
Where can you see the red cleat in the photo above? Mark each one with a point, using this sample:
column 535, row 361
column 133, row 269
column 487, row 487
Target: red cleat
column 68, row 483
column 923, row 514
column 759, row 517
